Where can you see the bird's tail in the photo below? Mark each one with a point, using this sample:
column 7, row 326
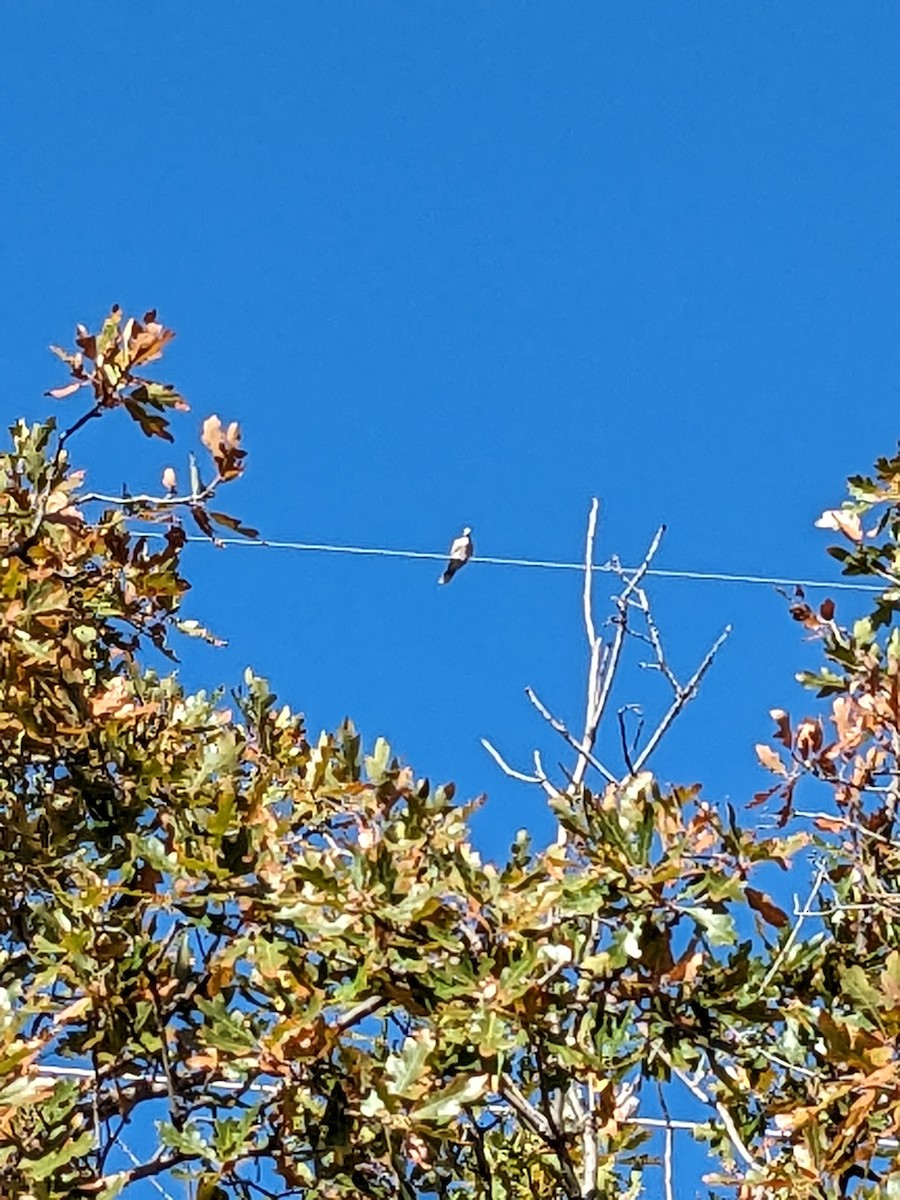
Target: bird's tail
column 446, row 577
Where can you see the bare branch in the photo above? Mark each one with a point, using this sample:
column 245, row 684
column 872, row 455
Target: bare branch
column 532, row 1117
column 724, row 1115
column 837, row 819
column 804, row 912
column 588, row 568
column 589, row 1146
column 667, row 1164
column 654, row 639
column 636, row 574
column 604, row 665
column 683, row 696
column 359, row 1012
column 623, row 737
column 504, row 765
column 163, row 502
column 80, row 423
column 557, row 724
column 545, row 783
column 159, row 1163
column 611, row 665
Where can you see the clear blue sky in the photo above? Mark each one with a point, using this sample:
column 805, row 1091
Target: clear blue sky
column 469, row 263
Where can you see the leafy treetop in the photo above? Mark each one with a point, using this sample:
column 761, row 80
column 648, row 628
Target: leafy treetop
column 287, row 953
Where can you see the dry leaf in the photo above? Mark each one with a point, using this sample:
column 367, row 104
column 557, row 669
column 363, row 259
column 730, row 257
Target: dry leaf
column 766, row 907
column 770, row 759
column 841, row 521
column 783, row 732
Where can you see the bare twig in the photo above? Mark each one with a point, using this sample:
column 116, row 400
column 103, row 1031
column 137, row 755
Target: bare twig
column 504, row 765
column 79, row 424
column 683, row 696
column 724, row 1115
column 654, row 639
column 837, row 819
column 589, row 1145
column 359, row 1012
column 623, row 735
column 559, row 726
column 532, row 1117
column 804, row 912
column 668, row 1146
column 541, row 774
column 588, row 576
column 604, row 661
column 604, row 668
column 152, row 501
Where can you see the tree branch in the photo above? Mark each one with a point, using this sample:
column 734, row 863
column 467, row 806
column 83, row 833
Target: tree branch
column 683, row 696
column 605, row 665
column 795, row 931
column 513, row 773
column 724, row 1115
column 588, row 573
column 557, row 724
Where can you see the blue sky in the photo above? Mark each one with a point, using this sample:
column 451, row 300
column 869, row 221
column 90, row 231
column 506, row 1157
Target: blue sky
column 472, row 263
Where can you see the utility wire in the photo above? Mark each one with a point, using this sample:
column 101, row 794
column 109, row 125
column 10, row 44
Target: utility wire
column 549, row 565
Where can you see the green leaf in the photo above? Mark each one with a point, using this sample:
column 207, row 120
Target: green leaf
column 188, row 1140
column 46, row 1166
column 377, row 761
column 404, row 1070
column 855, row 984
column 719, row 927
column 447, row 1104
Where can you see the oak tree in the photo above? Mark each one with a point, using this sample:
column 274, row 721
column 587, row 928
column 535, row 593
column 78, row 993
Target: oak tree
column 275, row 965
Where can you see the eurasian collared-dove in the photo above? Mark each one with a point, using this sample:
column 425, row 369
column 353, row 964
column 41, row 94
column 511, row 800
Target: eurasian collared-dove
column 460, row 553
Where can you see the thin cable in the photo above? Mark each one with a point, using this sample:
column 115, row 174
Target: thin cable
column 544, row 564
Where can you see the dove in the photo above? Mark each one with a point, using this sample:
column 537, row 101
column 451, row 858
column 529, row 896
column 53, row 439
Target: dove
column 460, row 553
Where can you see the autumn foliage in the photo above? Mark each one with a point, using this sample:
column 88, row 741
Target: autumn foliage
column 279, row 961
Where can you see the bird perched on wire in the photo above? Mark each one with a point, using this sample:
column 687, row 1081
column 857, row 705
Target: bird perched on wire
column 460, row 553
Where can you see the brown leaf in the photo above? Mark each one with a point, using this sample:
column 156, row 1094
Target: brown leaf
column 86, row 342
column 808, row 737
column 783, row 722
column 687, row 967
column 828, row 825
column 770, row 760
column 766, row 907
column 233, row 523
column 201, row 516
column 761, row 797
column 146, row 342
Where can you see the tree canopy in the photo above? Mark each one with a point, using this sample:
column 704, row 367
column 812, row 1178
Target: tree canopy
column 278, row 966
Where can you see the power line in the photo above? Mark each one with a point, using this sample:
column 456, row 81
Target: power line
column 543, row 564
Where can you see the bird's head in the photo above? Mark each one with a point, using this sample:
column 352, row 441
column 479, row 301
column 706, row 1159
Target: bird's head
column 466, row 531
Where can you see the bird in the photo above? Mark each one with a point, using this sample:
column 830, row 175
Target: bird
column 460, row 553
